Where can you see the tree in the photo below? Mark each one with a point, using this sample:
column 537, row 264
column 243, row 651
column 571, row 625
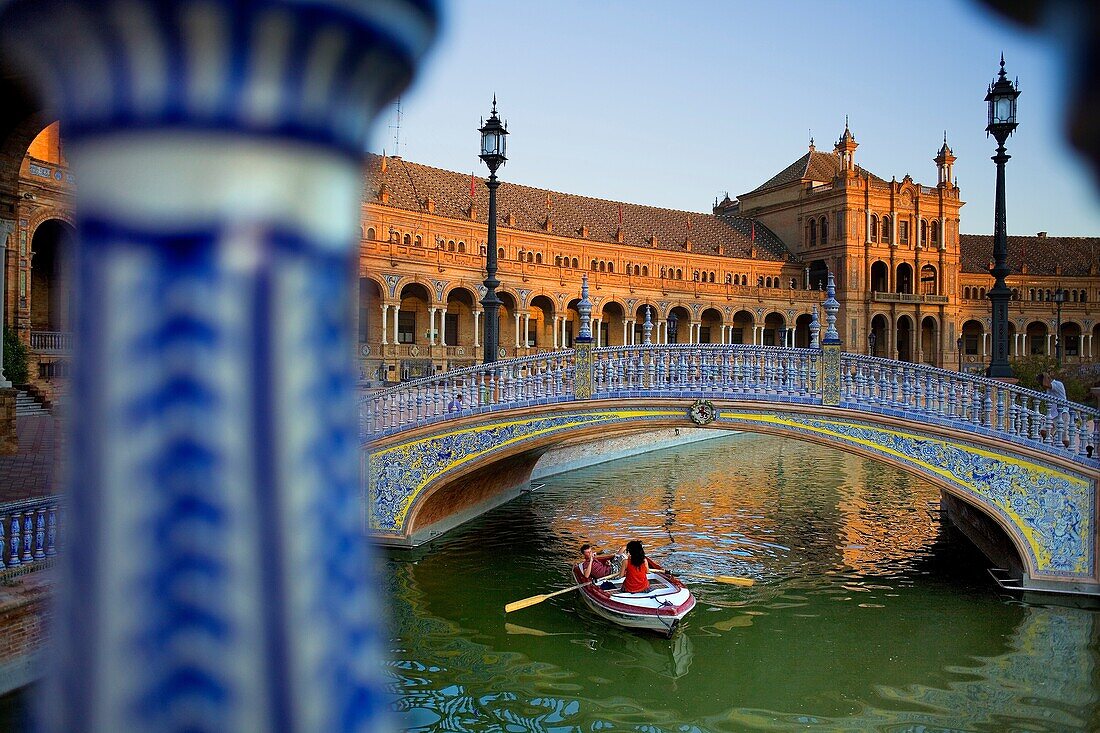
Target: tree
column 15, row 358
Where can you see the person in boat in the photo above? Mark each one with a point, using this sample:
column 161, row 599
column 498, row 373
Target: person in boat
column 635, row 572
column 595, row 566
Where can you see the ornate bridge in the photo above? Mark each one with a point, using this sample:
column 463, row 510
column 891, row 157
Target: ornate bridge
column 437, row 446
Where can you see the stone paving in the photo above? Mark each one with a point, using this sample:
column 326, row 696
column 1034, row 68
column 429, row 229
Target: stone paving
column 29, row 473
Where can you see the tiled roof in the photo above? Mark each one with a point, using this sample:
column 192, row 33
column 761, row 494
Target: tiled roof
column 1041, row 255
column 410, row 185
column 813, row 166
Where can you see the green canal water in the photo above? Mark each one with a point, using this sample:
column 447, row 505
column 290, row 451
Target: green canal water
column 867, row 614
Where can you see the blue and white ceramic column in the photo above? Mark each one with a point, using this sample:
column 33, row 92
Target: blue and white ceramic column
column 218, row 579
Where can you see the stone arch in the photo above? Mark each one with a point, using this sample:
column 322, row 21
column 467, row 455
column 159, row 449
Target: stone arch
column 51, row 244
column 903, row 278
column 903, row 341
column 408, row 499
column 802, row 331
column 711, row 326
column 460, row 301
column 1036, row 335
column 880, row 277
column 612, row 313
column 545, row 307
column 929, row 340
column 880, row 327
column 742, row 327
column 775, row 329
column 678, row 323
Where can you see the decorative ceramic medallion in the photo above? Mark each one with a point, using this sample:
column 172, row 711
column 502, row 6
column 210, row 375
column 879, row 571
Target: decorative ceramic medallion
column 702, row 412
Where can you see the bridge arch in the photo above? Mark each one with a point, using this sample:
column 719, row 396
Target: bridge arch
column 1022, row 459
column 483, row 460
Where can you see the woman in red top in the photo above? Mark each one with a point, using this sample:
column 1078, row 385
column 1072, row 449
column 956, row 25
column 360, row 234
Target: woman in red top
column 636, row 569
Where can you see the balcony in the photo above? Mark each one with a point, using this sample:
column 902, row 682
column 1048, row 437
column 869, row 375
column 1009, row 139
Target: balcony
column 52, row 342
column 883, row 297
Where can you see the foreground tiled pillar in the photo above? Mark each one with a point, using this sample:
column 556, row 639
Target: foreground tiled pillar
column 217, row 577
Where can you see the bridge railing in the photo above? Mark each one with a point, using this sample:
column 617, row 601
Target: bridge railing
column 530, row 380
column 707, row 370
column 915, row 392
column 938, row 396
column 28, row 531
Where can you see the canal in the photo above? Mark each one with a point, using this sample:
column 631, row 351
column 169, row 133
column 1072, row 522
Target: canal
column 868, row 613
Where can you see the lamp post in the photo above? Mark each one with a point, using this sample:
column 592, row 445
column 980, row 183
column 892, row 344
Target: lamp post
column 959, row 351
column 673, row 321
column 1001, row 99
column 1059, row 298
column 493, row 144
column 871, row 343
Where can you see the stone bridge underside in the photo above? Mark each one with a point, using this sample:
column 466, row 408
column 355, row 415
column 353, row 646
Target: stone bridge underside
column 1044, row 504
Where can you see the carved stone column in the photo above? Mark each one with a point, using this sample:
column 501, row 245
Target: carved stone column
column 216, row 576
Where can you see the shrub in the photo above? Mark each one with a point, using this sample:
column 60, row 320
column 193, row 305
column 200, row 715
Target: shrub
column 15, row 358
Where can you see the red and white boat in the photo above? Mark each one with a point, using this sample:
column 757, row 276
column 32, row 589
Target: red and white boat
column 660, row 609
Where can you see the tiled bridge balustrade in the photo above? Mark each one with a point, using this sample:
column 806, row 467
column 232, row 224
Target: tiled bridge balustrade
column 1023, row 459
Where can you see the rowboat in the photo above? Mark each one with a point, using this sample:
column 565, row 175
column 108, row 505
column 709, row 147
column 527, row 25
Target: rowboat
column 659, row 609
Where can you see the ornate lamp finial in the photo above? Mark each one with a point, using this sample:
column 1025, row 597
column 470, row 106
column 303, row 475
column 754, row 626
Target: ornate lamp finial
column 815, row 330
column 584, row 308
column 832, row 307
column 647, row 328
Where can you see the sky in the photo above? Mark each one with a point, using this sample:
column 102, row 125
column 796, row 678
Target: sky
column 672, row 104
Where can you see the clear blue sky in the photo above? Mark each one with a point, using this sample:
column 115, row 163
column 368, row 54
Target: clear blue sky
column 672, row 104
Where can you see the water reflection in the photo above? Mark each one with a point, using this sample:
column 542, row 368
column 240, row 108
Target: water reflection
column 867, row 614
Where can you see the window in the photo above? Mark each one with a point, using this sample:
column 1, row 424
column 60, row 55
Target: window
column 928, row 280
column 679, row 274
column 664, row 272
column 603, row 266
column 370, row 234
column 903, row 232
column 531, row 258
column 538, row 257
column 824, row 230
column 923, row 232
column 1070, row 343
column 576, row 264
column 813, row 232
column 695, row 276
column 712, row 275
column 886, row 230
column 407, row 239
column 970, row 344
column 611, row 267
column 729, row 279
column 935, row 229
column 461, row 246
column 557, row 261
column 645, row 270
column 841, row 228
column 451, row 246
column 406, row 327
column 873, row 235
column 595, row 265
column 500, row 253
column 966, row 293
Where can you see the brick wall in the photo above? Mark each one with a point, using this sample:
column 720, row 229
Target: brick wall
column 24, row 614
column 9, row 442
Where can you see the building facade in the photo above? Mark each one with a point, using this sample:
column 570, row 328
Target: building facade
column 910, row 285
column 752, row 271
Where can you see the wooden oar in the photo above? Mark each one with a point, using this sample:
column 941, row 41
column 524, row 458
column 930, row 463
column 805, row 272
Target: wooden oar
column 517, row 605
column 730, row 579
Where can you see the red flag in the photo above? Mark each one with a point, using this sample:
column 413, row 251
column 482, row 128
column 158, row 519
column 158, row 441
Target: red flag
column 620, row 215
column 471, row 185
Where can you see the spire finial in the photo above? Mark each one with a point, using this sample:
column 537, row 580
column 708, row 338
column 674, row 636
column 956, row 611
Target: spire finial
column 945, row 137
column 1001, row 74
column 495, row 100
column 845, row 123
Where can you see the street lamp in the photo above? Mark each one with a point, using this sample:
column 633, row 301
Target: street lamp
column 1001, row 99
column 871, row 343
column 493, row 144
column 672, row 323
column 959, row 351
column 1059, row 298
